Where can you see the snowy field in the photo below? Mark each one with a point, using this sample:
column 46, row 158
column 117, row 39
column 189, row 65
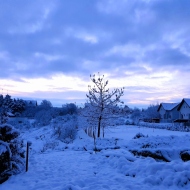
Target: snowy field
column 54, row 165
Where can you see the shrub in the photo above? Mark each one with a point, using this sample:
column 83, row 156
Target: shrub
column 168, row 126
column 20, row 123
column 65, row 128
column 11, row 152
column 43, row 117
column 138, row 135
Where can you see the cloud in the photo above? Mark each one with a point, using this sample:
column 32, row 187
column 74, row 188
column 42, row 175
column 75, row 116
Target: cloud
column 82, row 35
column 48, row 57
column 132, row 50
column 25, row 18
column 138, row 44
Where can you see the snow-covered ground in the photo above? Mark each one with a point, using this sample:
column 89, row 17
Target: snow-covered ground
column 54, row 165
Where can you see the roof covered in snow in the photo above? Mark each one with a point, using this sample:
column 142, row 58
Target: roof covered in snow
column 168, row 106
column 187, row 100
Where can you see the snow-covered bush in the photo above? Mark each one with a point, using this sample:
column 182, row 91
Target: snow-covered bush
column 63, row 119
column 68, row 132
column 43, row 117
column 20, row 123
column 49, row 145
column 11, row 152
column 138, row 135
column 118, row 121
column 65, row 128
column 129, row 122
column 168, row 126
column 159, row 147
column 136, row 115
column 29, row 112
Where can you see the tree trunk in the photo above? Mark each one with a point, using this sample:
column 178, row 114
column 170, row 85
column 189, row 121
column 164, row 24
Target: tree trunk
column 99, row 125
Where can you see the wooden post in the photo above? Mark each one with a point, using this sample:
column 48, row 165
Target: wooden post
column 27, row 153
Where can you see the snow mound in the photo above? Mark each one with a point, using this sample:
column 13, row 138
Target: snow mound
column 166, row 148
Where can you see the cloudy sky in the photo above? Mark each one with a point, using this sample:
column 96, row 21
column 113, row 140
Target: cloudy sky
column 49, row 48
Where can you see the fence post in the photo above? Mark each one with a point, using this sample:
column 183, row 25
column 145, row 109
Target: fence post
column 27, row 153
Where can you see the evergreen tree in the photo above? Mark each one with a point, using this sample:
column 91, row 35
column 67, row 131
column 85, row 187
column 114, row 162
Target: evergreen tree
column 1, row 100
column 8, row 104
column 3, row 115
column 18, row 106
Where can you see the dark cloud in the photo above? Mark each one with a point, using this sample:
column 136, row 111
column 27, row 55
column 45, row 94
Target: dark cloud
column 167, row 56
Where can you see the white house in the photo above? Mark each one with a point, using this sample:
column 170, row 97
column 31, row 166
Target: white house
column 168, row 112
column 184, row 109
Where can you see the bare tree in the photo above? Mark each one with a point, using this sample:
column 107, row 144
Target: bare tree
column 136, row 115
column 102, row 102
column 151, row 112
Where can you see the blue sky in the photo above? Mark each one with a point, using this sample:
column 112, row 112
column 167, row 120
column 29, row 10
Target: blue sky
column 48, row 49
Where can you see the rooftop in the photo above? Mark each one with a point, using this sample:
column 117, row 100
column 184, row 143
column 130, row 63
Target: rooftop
column 169, row 106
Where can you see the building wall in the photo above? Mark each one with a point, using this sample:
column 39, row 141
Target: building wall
column 162, row 112
column 175, row 114
column 169, row 116
column 185, row 111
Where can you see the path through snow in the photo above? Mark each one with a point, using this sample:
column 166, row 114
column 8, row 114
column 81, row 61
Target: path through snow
column 69, row 170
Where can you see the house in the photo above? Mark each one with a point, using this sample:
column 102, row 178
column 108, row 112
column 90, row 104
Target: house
column 168, row 112
column 184, row 109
